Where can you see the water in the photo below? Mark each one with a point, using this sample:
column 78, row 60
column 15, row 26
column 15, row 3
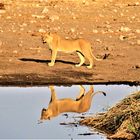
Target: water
column 20, row 109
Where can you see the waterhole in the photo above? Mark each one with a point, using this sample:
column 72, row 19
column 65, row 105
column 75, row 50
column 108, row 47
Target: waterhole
column 20, row 110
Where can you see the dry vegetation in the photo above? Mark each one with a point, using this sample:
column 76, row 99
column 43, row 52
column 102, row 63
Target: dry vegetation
column 121, row 121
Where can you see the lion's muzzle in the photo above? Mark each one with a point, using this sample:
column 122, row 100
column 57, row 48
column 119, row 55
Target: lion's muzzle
column 43, row 40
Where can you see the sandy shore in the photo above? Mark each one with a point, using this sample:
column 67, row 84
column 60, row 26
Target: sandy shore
column 111, row 26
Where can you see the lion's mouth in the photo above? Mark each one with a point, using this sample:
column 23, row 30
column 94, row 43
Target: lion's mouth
column 40, row 121
column 44, row 42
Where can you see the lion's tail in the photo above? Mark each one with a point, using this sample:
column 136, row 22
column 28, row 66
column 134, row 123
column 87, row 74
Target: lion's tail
column 95, row 56
column 99, row 92
column 94, row 93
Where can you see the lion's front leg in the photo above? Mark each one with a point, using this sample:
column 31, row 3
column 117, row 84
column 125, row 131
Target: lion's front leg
column 54, row 53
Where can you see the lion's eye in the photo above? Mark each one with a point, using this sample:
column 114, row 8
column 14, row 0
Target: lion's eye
column 43, row 109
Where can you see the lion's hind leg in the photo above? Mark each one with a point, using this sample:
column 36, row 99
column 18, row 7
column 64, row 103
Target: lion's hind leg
column 91, row 64
column 90, row 58
column 81, row 94
column 82, row 59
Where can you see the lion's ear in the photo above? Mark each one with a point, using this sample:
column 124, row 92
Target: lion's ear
column 50, row 34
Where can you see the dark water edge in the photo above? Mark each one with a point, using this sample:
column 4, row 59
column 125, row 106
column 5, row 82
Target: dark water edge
column 10, row 83
column 45, row 80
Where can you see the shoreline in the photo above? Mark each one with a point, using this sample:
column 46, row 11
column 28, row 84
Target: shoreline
column 33, row 81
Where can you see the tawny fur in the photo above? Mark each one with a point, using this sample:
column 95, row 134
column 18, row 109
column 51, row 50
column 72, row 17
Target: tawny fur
column 80, row 46
column 58, row 106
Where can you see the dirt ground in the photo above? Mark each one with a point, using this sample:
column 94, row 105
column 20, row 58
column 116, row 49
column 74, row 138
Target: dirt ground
column 112, row 27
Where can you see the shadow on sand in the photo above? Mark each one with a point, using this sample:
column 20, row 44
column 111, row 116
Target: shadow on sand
column 47, row 61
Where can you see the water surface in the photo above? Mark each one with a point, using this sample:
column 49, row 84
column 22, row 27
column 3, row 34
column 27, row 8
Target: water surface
column 20, row 109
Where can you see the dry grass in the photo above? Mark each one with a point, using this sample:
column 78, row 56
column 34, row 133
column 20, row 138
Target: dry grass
column 121, row 121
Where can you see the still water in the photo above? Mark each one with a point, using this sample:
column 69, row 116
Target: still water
column 20, row 110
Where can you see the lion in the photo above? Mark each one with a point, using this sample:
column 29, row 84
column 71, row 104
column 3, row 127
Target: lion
column 58, row 106
column 80, row 46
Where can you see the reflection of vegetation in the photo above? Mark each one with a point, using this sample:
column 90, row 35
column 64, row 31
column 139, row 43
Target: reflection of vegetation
column 121, row 121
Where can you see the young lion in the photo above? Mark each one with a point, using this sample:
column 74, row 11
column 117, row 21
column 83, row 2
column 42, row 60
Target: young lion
column 58, row 106
column 80, row 46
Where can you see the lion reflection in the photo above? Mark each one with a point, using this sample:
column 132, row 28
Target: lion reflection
column 57, row 106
